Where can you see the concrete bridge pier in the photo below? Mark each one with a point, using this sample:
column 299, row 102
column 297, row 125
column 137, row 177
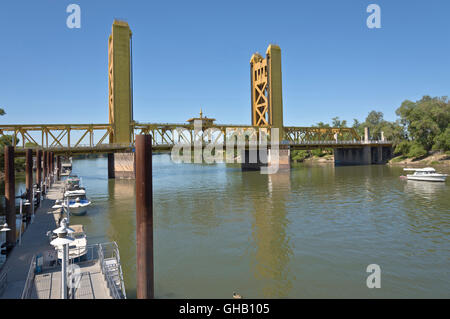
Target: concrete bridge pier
column 122, row 165
column 267, row 158
column 366, row 155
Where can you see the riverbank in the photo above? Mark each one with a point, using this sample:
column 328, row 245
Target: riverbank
column 433, row 159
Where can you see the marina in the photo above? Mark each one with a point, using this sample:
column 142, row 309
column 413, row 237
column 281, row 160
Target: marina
column 173, row 154
column 33, row 268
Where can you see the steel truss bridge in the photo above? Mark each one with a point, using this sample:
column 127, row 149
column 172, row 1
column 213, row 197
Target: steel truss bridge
column 71, row 139
column 119, row 135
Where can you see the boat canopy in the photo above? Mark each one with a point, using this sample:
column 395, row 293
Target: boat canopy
column 426, row 169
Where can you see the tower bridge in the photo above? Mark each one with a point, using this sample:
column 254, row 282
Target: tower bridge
column 118, row 136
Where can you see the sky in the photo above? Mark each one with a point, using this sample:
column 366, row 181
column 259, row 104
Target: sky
column 189, row 55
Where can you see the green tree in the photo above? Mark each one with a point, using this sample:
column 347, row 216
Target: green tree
column 425, row 119
column 417, row 150
column 338, row 123
column 442, row 141
column 2, row 112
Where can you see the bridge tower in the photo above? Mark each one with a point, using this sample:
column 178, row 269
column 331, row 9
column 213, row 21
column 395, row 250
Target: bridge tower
column 120, row 83
column 120, row 165
column 266, row 88
column 267, row 103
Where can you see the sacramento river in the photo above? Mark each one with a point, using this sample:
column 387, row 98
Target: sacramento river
column 309, row 233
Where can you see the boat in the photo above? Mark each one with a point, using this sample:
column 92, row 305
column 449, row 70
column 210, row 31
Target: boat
column 78, row 204
column 77, row 249
column 66, row 168
column 75, row 192
column 427, row 174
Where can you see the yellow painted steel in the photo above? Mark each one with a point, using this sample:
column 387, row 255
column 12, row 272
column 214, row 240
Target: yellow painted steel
column 266, row 89
column 120, row 90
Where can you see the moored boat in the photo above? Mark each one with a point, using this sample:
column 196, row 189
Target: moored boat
column 427, row 174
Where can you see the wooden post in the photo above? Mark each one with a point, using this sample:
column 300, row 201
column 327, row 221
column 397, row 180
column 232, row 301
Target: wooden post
column 111, row 165
column 39, row 174
column 45, row 165
column 144, row 218
column 10, row 195
column 38, row 167
column 29, row 181
column 58, row 165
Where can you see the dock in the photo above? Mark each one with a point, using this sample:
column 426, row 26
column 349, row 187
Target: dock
column 99, row 274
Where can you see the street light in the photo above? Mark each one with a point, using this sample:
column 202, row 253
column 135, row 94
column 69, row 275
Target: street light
column 64, row 241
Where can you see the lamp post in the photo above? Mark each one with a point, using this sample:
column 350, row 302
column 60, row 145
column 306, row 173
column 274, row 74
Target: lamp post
column 4, row 229
column 64, row 241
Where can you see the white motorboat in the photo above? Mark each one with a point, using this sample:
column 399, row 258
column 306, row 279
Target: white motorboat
column 427, row 174
column 77, row 204
column 77, row 248
column 75, row 192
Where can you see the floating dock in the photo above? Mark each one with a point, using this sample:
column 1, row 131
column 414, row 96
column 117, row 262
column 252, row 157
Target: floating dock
column 99, row 275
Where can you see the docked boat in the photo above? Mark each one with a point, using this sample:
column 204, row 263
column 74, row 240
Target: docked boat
column 427, row 174
column 78, row 204
column 66, row 168
column 75, row 192
column 77, row 248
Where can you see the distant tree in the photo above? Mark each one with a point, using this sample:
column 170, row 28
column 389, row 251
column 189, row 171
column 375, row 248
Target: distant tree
column 442, row 141
column 2, row 112
column 425, row 119
column 374, row 118
column 338, row 123
column 417, row 150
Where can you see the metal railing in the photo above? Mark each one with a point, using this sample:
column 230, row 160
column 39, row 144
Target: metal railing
column 29, row 283
column 97, row 252
column 110, row 251
column 3, row 281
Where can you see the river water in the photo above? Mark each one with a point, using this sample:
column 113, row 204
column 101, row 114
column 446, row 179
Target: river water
column 308, row 233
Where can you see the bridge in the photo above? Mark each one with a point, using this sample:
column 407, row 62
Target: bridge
column 118, row 136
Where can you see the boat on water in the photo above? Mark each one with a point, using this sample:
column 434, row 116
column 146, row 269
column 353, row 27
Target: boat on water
column 73, row 187
column 66, row 168
column 77, row 249
column 427, row 174
column 78, row 204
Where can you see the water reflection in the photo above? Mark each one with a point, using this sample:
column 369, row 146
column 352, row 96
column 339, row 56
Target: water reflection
column 121, row 228
column 269, row 232
column 426, row 190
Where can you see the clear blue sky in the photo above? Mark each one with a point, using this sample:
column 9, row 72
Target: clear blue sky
column 192, row 54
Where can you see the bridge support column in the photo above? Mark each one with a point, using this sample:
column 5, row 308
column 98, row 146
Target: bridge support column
column 29, row 182
column 366, row 155
column 124, row 165
column 111, row 165
column 284, row 157
column 10, row 196
column 267, row 158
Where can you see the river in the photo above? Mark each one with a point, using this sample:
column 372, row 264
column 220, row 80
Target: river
column 307, row 233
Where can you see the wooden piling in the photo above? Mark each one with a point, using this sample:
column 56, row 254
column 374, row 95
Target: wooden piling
column 29, row 181
column 144, row 218
column 111, row 165
column 58, row 166
column 10, row 195
column 38, row 167
column 45, row 165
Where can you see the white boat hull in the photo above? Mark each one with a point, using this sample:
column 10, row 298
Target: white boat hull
column 428, row 178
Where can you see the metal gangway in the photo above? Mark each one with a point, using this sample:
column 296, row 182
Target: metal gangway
column 100, row 275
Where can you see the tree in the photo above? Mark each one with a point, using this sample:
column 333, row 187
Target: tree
column 338, row 123
column 374, row 119
column 2, row 112
column 425, row 119
column 417, row 150
column 442, row 141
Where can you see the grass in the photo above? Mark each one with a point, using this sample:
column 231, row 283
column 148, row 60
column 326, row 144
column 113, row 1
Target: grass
column 399, row 159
